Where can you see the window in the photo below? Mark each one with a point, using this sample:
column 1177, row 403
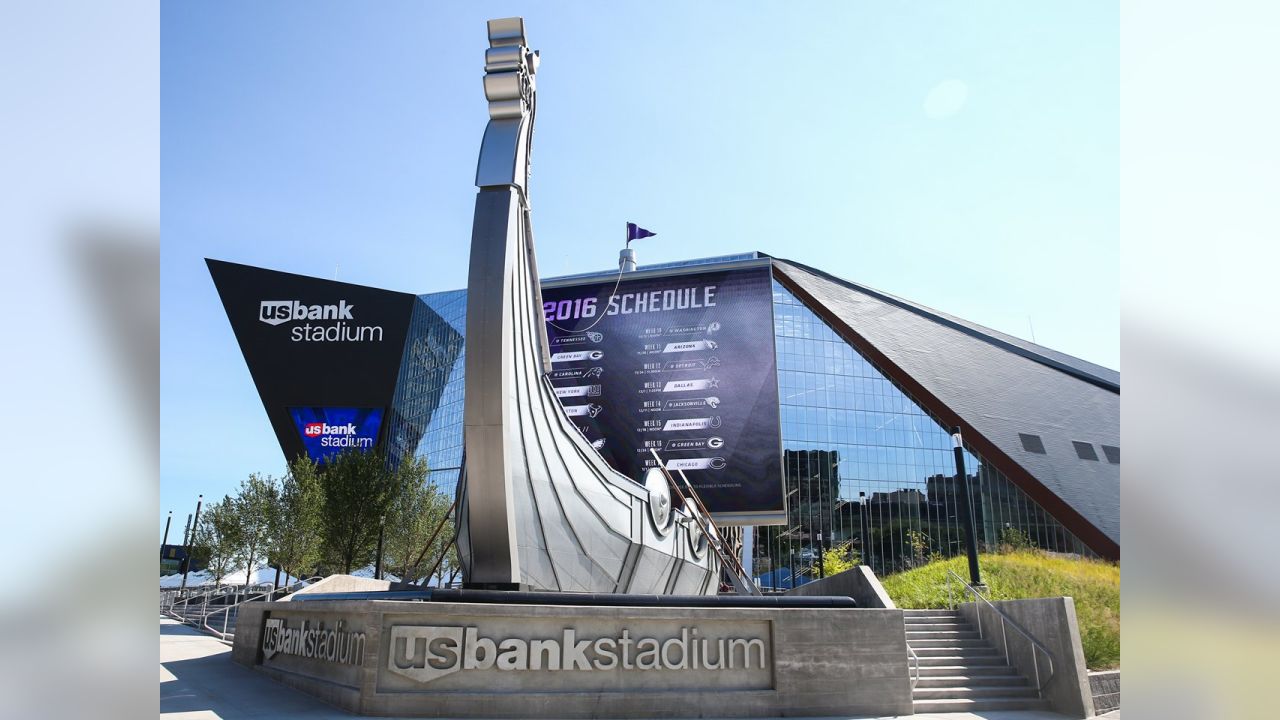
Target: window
column 1032, row 443
column 1113, row 454
column 1085, row 450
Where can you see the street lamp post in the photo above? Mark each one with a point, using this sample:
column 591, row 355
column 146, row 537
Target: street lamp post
column 864, row 548
column 822, row 570
column 165, row 541
column 966, row 509
column 186, row 560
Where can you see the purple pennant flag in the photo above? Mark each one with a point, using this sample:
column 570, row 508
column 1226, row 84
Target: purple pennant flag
column 635, row 232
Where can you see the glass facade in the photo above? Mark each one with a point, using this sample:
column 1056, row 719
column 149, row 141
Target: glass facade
column 863, row 463
column 426, row 415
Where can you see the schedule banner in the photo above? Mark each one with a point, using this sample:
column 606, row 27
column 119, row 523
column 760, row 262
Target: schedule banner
column 683, row 365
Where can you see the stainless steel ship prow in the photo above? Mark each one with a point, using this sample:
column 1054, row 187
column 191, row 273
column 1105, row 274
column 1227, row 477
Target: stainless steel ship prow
column 539, row 508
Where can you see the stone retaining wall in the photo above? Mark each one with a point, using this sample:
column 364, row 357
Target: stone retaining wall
column 1105, row 686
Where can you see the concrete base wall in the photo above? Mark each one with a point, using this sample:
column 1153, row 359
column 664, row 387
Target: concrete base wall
column 859, row 583
column 1105, row 688
column 438, row 659
column 1052, row 621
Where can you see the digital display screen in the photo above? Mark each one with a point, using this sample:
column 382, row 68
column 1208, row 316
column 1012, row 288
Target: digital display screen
column 683, row 365
column 327, row 431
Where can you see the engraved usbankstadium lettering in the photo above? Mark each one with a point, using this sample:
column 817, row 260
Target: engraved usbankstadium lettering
column 424, row 654
column 312, row 641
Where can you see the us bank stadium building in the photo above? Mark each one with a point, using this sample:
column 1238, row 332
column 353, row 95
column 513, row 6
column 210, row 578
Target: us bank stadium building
column 842, row 434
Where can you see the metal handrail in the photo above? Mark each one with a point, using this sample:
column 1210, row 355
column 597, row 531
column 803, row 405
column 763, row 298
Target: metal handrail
column 226, row 610
column 192, row 596
column 1005, row 623
column 226, row 614
column 915, row 678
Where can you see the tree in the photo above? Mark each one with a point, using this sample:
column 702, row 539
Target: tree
column 253, row 508
column 217, row 535
column 838, row 559
column 295, row 523
column 450, row 567
column 357, row 489
column 414, row 516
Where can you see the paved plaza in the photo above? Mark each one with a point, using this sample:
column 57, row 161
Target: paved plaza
column 198, row 681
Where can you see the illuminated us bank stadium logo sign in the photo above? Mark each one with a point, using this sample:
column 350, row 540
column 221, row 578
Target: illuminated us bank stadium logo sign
column 424, row 654
column 326, row 431
column 320, row 323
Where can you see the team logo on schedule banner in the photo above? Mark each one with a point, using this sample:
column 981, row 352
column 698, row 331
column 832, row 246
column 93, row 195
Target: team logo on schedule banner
column 578, row 391
column 590, row 410
column 575, row 356
column 687, row 385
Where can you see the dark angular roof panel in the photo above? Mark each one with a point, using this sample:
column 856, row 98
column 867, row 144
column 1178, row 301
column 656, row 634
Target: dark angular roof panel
column 999, row 385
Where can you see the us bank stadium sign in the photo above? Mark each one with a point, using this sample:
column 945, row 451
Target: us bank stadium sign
column 550, row 657
column 320, row 323
column 312, row 641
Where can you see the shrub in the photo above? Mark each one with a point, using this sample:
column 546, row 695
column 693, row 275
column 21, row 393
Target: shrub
column 1093, row 584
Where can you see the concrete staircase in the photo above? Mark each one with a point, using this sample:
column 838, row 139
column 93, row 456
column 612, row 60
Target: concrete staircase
column 959, row 671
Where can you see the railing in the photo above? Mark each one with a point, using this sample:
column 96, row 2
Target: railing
column 698, row 512
column 1006, row 622
column 226, row 613
column 180, row 604
column 915, row 676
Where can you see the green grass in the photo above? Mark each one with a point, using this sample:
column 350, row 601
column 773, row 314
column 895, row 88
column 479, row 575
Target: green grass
column 1094, row 585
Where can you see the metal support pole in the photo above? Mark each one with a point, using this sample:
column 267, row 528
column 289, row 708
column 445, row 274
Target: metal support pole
column 966, row 509
column 822, row 570
column 186, row 561
column 377, row 562
column 864, row 545
column 165, row 541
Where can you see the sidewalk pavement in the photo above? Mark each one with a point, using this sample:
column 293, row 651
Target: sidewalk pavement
column 198, row 681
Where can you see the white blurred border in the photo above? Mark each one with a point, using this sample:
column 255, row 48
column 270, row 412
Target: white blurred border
column 1200, row 179
column 79, row 222
column 79, row 207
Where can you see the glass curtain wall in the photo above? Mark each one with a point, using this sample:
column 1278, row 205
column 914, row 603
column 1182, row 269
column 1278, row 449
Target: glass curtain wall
column 865, row 465
column 426, row 418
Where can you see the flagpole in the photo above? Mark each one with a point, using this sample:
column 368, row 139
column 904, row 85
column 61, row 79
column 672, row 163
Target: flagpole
column 626, row 256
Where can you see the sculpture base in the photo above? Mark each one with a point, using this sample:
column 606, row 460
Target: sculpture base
column 447, row 659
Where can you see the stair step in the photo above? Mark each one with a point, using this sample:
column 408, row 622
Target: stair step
column 980, row 651
column 969, row 680
column 909, row 612
column 929, row 623
column 972, row 693
column 957, row 643
column 954, row 670
column 975, row 705
column 967, row 662
column 936, row 634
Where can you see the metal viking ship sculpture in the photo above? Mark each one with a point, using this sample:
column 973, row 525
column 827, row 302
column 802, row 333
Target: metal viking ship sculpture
column 539, row 508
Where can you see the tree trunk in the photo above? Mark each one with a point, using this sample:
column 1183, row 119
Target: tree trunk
column 248, row 571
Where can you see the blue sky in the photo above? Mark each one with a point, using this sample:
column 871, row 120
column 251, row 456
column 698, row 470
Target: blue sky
column 961, row 155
